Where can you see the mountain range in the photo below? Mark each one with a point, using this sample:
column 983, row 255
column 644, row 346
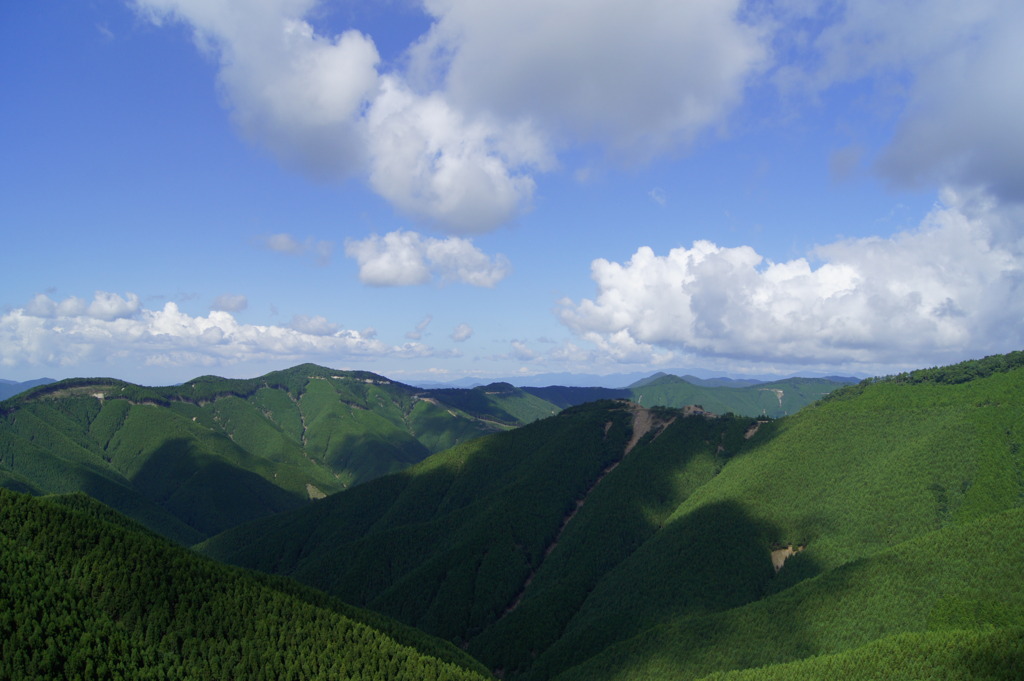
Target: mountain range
column 614, row 541
column 557, row 533
column 192, row 460
column 12, row 388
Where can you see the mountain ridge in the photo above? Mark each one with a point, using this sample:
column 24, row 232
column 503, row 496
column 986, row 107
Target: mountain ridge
column 680, row 532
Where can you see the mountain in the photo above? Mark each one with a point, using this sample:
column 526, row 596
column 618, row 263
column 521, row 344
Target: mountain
column 770, row 398
column 192, row 460
column 882, row 525
column 623, row 380
column 88, row 594
column 12, row 388
column 748, row 397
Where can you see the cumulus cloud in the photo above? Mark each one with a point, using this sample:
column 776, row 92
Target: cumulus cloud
column 639, row 78
column 961, row 102
column 230, row 302
column 404, row 258
column 431, row 162
column 56, row 333
column 104, row 306
column 485, row 99
column 288, row 88
column 948, row 288
column 321, row 104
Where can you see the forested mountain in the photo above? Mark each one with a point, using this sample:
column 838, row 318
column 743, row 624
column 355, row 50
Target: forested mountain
column 192, row 460
column 748, row 398
column 878, row 532
column 774, row 398
column 87, row 594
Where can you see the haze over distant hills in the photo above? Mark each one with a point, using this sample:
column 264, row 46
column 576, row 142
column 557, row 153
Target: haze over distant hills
column 12, row 388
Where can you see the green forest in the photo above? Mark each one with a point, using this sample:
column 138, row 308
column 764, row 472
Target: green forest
column 86, row 595
column 876, row 533
column 193, row 460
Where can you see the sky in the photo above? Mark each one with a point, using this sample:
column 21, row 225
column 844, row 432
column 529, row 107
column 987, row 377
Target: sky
column 443, row 189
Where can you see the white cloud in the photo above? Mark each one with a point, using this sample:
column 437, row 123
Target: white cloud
column 954, row 67
column 404, row 258
column 296, row 92
column 104, row 305
column 430, row 162
column 110, row 306
column 947, row 289
column 461, row 333
column 320, row 104
column 639, row 78
column 492, row 91
column 53, row 333
column 230, row 302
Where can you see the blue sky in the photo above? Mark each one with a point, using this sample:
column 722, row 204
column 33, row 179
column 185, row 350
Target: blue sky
column 449, row 188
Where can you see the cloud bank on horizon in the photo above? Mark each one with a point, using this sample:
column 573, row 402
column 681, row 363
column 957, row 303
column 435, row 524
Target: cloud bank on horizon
column 461, row 132
column 73, row 331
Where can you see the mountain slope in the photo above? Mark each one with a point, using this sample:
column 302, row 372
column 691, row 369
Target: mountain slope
column 989, row 654
column 87, row 595
column 964, row 577
column 481, row 537
column 745, row 397
column 774, row 398
column 192, row 460
column 596, row 543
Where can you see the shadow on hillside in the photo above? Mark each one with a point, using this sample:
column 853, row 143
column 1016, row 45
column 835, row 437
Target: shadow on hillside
column 205, row 491
column 452, row 546
column 366, row 456
column 709, row 561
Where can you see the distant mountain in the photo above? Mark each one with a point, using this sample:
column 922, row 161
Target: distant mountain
column 192, row 460
column 626, row 380
column 720, row 395
column 717, row 382
column 12, row 388
column 89, row 595
column 769, row 398
column 883, row 526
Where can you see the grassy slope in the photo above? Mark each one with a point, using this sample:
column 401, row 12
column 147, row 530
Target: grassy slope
column 87, row 593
